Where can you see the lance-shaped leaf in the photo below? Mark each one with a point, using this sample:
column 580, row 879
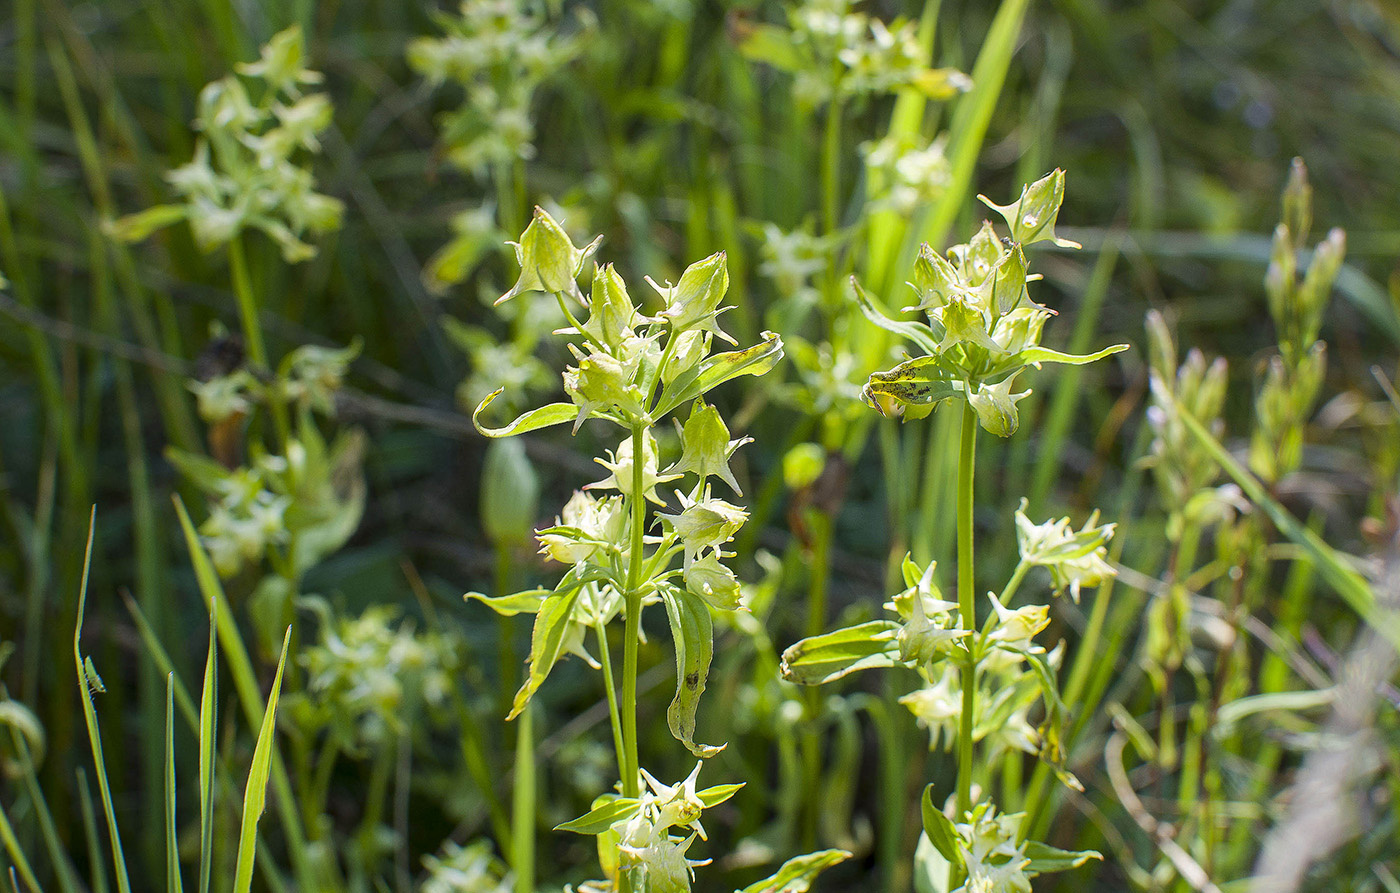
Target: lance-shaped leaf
column 823, row 658
column 1046, row 859
column 939, row 829
column 692, row 632
column 607, row 810
column 527, row 602
column 544, row 417
column 922, row 381
column 797, row 874
column 1037, row 355
column 922, row 336
column 547, row 643
column 718, row 369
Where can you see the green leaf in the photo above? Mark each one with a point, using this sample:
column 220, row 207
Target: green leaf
column 255, row 794
column 716, row 370
column 606, row 812
column 922, row 336
column 718, row 794
column 797, row 874
column 820, row 659
column 922, row 381
column 692, row 632
column 770, row 44
column 527, row 602
column 1037, row 355
column 139, row 226
column 1045, row 858
column 546, row 644
column 939, row 829
column 172, row 850
column 535, row 419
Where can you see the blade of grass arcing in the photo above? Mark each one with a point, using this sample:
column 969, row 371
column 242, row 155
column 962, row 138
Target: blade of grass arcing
column 58, row 854
column 255, row 795
column 172, row 846
column 1331, row 564
column 161, row 657
column 7, row 836
column 88, row 682
column 91, row 835
column 245, row 683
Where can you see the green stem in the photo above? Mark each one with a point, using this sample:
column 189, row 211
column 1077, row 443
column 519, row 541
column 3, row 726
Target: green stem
column 523, row 804
column 605, row 658
column 252, row 335
column 631, row 766
column 820, row 523
column 966, row 605
column 247, row 303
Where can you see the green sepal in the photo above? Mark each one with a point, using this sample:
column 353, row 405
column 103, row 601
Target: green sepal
column 820, row 659
column 797, row 873
column 535, row 419
column 692, row 632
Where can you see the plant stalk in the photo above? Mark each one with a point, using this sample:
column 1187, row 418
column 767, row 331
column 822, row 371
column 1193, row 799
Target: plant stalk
column 966, row 605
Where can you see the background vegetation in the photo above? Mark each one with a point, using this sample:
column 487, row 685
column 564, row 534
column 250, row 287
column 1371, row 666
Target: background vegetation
column 673, row 129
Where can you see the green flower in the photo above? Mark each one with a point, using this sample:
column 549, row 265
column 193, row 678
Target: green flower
column 548, row 260
column 620, row 465
column 706, row 448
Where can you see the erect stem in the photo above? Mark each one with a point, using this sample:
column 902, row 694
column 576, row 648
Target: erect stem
column 605, row 658
column 252, row 336
column 967, row 608
column 631, row 765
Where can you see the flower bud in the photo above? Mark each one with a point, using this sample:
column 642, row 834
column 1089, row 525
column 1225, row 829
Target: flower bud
column 548, row 260
column 510, row 493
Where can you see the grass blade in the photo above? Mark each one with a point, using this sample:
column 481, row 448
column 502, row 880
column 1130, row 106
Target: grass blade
column 1349, row 584
column 87, row 682
column 208, row 702
column 7, row 836
column 255, row 795
column 172, row 848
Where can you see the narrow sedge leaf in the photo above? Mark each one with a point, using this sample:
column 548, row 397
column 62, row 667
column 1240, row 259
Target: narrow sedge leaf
column 715, row 371
column 601, row 818
column 86, row 676
column 527, row 602
column 823, row 658
column 208, row 707
column 1037, row 355
column 939, row 829
column 921, row 335
column 797, row 874
column 546, row 645
column 1349, row 584
column 255, row 794
column 172, row 848
column 1046, row 859
column 535, row 419
column 692, row 632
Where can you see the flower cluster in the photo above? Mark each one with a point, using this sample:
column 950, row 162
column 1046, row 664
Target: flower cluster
column 983, row 328
column 245, row 172
column 835, row 53
column 910, row 177
column 499, row 52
